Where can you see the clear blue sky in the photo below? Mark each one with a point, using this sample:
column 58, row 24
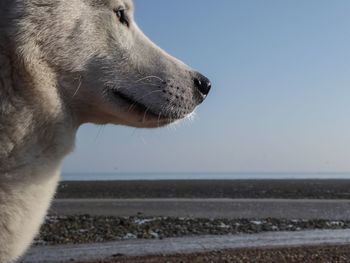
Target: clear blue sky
column 280, row 98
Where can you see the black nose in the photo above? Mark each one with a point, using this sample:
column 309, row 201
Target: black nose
column 202, row 84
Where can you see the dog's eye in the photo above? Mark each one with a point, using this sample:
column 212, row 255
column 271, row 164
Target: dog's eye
column 121, row 14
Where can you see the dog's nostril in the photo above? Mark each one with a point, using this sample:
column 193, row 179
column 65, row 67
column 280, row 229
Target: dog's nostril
column 202, row 84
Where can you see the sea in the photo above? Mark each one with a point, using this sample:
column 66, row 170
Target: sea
column 198, row 176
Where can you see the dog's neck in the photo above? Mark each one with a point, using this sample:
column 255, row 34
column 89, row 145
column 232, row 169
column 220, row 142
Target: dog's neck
column 36, row 132
column 35, row 128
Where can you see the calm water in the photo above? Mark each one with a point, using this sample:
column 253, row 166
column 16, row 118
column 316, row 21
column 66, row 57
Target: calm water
column 198, row 176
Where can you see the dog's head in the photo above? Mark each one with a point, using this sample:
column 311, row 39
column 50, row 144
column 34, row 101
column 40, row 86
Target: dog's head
column 108, row 71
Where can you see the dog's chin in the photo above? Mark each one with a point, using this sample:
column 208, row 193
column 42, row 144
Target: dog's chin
column 135, row 114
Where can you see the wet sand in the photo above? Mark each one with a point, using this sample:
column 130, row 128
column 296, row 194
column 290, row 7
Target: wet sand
column 207, row 208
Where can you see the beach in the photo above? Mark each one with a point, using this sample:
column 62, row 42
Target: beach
column 118, row 211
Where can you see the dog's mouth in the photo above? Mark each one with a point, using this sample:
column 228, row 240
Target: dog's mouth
column 134, row 105
column 159, row 112
column 137, row 107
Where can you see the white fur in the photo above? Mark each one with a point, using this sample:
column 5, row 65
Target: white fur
column 23, row 208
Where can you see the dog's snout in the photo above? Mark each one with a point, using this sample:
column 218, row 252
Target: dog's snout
column 202, row 84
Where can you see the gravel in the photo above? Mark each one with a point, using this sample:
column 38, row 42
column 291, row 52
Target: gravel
column 93, row 229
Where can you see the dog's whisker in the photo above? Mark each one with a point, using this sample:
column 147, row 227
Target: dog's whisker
column 158, row 121
column 99, row 132
column 144, row 115
column 149, row 77
column 78, row 88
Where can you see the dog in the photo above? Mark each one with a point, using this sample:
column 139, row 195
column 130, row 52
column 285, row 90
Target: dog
column 63, row 64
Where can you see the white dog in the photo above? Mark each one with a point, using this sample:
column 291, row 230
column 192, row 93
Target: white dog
column 64, row 63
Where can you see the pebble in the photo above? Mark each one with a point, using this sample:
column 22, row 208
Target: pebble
column 92, row 229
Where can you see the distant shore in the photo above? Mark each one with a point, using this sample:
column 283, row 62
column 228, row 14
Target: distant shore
column 278, row 189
